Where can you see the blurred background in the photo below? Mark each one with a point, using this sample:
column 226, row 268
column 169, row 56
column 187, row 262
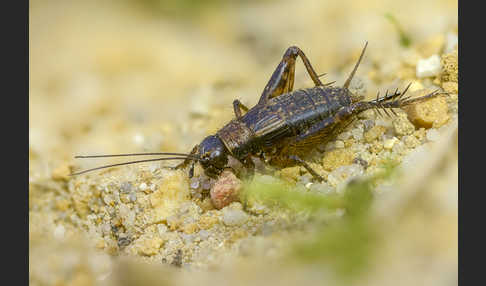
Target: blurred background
column 160, row 75
column 139, row 65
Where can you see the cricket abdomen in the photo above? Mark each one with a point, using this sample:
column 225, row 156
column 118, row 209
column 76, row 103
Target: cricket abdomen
column 306, row 107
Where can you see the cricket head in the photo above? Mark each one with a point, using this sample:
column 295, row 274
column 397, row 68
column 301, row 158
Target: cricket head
column 213, row 156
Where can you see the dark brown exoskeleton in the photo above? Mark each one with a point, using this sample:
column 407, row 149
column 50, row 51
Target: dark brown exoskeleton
column 284, row 124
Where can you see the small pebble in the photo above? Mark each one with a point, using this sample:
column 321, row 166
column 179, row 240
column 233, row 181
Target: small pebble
column 143, row 186
column 108, row 199
column 402, row 125
column 203, row 234
column 162, row 229
column 126, row 187
column 337, row 157
column 428, row 67
column 339, row 144
column 151, row 246
column 357, row 134
column 374, row 133
column 450, row 67
column 290, row 173
column 207, row 222
column 341, row 175
column 123, row 210
column 234, row 217
column 61, row 173
column 368, row 114
column 410, row 141
column 188, row 238
column 451, row 87
column 320, row 188
column 132, row 197
column 431, row 113
column 385, row 122
column 226, row 190
column 388, row 144
column 399, row 148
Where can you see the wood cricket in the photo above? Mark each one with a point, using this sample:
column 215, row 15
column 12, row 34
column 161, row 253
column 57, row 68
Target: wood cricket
column 284, row 125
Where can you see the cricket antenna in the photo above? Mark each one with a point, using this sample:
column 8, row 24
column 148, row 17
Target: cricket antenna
column 348, row 81
column 127, row 163
column 135, row 154
column 185, row 157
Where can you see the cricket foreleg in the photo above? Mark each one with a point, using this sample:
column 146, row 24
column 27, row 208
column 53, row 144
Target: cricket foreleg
column 282, row 80
column 188, row 161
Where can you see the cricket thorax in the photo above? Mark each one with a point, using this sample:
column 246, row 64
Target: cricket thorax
column 236, row 137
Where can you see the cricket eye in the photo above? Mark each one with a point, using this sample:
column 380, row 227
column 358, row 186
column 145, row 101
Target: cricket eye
column 205, row 157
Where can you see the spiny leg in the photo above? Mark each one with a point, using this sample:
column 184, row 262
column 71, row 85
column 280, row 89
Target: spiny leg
column 282, row 80
column 297, row 160
column 286, row 156
column 238, row 106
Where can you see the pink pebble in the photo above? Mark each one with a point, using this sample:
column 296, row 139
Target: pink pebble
column 226, row 190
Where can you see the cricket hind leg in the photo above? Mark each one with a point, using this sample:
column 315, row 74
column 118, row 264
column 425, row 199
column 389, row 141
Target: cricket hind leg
column 282, row 80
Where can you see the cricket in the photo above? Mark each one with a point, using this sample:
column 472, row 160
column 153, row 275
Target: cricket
column 284, row 125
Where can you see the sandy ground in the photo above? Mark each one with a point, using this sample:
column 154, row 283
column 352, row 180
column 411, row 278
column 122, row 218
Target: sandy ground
column 118, row 77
